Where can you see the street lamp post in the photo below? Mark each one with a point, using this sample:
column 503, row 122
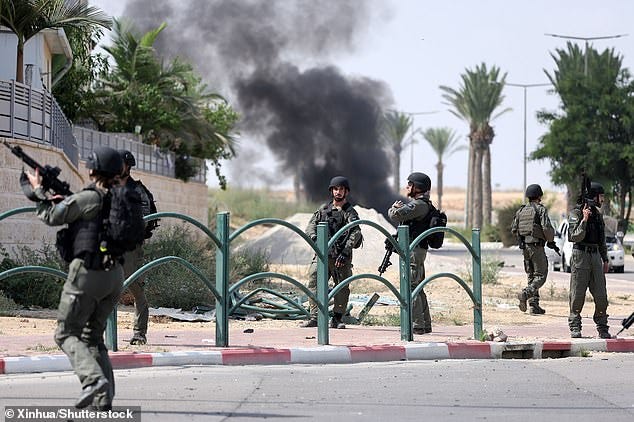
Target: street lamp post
column 586, row 39
column 525, row 86
column 412, row 114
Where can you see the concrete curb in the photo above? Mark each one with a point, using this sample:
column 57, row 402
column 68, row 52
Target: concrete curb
column 329, row 354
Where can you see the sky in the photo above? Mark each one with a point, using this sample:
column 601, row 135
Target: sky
column 415, row 46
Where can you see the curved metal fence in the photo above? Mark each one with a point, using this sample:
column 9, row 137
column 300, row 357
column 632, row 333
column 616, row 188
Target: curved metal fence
column 224, row 293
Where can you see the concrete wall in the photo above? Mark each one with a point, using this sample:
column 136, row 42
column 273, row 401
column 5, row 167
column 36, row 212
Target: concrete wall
column 25, row 229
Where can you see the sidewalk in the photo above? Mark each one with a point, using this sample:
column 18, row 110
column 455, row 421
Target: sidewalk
column 289, row 344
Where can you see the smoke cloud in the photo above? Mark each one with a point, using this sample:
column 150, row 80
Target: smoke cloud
column 273, row 60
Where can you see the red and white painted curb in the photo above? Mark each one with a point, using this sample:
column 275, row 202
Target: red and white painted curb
column 321, row 354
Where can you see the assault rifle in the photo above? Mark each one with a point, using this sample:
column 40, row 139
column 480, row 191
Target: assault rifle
column 627, row 323
column 586, row 197
column 50, row 181
column 389, row 248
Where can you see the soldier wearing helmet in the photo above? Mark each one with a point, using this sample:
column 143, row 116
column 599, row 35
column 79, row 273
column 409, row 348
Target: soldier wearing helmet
column 412, row 213
column 337, row 213
column 534, row 230
column 92, row 289
column 133, row 260
column 589, row 261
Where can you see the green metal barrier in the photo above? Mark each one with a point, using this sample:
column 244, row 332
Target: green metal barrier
column 224, row 293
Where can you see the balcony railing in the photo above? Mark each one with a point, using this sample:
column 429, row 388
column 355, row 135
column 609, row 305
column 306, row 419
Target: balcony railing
column 34, row 115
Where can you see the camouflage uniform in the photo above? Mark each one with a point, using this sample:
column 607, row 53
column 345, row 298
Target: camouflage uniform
column 336, row 219
column 588, row 256
column 87, row 298
column 416, row 209
column 535, row 260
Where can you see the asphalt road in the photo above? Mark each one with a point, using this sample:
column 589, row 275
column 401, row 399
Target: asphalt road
column 513, row 263
column 596, row 388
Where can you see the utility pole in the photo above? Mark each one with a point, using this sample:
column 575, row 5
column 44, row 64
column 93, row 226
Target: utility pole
column 525, row 86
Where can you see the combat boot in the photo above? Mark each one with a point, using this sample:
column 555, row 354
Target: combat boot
column 523, row 297
column 309, row 324
column 138, row 339
column 536, row 309
column 575, row 332
column 604, row 334
column 336, row 322
column 90, row 391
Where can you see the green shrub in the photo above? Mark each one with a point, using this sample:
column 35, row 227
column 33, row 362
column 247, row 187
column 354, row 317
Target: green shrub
column 490, row 233
column 33, row 289
column 7, row 305
column 490, row 270
column 505, row 219
column 174, row 286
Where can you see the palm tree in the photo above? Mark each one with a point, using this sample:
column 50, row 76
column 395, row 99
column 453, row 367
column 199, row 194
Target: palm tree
column 26, row 18
column 479, row 95
column 444, row 142
column 395, row 127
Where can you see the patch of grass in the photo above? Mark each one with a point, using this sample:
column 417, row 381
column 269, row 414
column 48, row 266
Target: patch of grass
column 251, row 204
column 557, row 294
column 387, row 320
column 43, row 349
column 585, row 353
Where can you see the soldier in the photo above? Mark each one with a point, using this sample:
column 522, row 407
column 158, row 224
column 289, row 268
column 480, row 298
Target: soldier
column 415, row 214
column 589, row 262
column 133, row 260
column 533, row 228
column 337, row 213
column 94, row 281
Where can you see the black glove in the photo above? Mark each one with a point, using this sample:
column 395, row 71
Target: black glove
column 553, row 246
column 27, row 189
column 341, row 260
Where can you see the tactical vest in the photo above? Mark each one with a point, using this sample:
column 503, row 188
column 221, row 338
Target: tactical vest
column 529, row 223
column 336, row 219
column 594, row 228
column 420, row 224
column 83, row 237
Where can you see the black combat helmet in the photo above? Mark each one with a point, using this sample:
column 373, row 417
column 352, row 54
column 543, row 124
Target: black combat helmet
column 339, row 181
column 420, row 180
column 127, row 157
column 534, row 191
column 596, row 189
column 105, row 160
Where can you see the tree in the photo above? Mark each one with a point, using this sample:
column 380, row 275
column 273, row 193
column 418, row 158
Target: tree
column 74, row 92
column 27, row 18
column 168, row 102
column 444, row 142
column 594, row 127
column 395, row 127
column 479, row 95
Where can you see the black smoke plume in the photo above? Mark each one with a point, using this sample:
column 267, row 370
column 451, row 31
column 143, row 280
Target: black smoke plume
column 273, row 57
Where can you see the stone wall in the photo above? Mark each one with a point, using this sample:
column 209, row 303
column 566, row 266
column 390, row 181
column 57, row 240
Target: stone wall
column 25, row 229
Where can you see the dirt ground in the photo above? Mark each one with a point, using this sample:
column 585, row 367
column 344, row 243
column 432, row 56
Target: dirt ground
column 450, row 304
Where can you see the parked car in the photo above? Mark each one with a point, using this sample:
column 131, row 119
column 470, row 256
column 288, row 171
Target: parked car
column 616, row 252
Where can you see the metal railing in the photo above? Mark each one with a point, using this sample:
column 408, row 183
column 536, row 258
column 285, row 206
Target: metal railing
column 148, row 158
column 223, row 292
column 34, row 115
